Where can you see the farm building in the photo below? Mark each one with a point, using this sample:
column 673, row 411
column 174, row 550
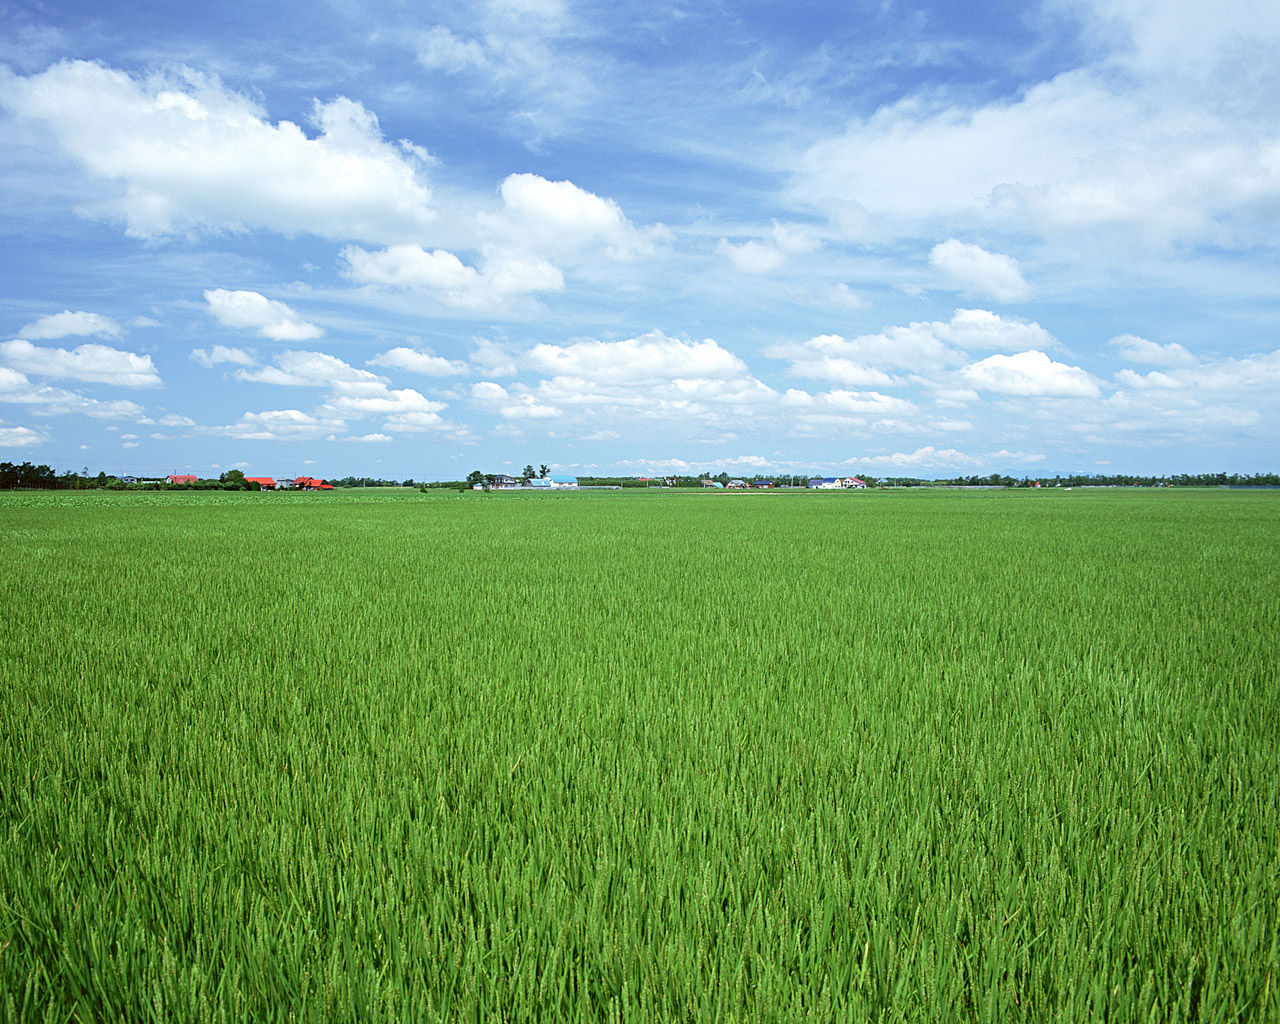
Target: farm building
column 180, row 478
column 737, row 485
column 264, row 483
column 712, row 483
column 762, row 483
column 308, row 483
column 538, row 484
column 832, row 483
column 564, row 483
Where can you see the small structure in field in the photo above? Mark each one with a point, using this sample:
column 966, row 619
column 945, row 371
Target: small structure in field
column 265, row 483
column 181, row 478
column 310, row 483
column 835, row 483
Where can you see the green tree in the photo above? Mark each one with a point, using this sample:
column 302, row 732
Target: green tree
column 528, row 473
column 475, row 477
column 544, row 471
column 233, row 480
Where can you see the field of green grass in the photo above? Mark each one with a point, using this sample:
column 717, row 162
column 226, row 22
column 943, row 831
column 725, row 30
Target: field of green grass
column 640, row 756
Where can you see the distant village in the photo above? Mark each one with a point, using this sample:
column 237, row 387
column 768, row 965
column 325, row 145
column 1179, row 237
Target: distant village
column 28, row 476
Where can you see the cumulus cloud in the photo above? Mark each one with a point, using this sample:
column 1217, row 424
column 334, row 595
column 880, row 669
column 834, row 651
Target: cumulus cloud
column 1031, row 374
column 561, row 220
column 930, row 457
column 1152, row 353
column 663, row 381
column 209, row 358
column 350, row 392
column 752, row 256
column 923, row 347
column 189, row 155
column 89, row 363
column 973, row 269
column 282, row 425
column 1159, row 142
column 17, row 389
column 412, row 268
column 20, row 437
column 68, row 324
column 426, row 363
column 247, row 310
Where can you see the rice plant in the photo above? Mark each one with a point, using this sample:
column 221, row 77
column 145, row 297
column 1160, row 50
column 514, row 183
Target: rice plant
column 756, row 757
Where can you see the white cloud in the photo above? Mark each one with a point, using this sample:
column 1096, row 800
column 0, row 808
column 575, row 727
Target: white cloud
column 246, row 310
column 15, row 388
column 522, row 405
column 190, row 155
column 1165, row 138
column 973, row 269
column 752, row 256
column 410, row 267
column 664, row 382
column 20, row 437
column 492, row 359
column 282, row 425
column 930, row 457
column 352, row 393
column 307, row 369
column 371, row 438
column 838, row 405
column 417, row 421
column 90, row 363
column 648, row 359
column 68, row 324
column 1152, row 353
column 560, row 220
column 221, row 354
column 924, row 347
column 841, row 296
column 1031, row 374
column 427, row 363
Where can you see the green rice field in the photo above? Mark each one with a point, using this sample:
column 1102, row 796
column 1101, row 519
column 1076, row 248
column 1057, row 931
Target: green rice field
column 665, row 756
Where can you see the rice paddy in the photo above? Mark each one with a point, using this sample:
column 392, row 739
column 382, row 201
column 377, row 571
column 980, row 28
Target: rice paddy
column 642, row 757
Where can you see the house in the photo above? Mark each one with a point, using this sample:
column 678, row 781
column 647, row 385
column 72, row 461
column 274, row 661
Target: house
column 737, row 485
column 761, row 483
column 179, row 478
column 563, row 483
column 264, row 483
column 308, row 483
column 502, row 482
column 284, row 484
column 832, row 483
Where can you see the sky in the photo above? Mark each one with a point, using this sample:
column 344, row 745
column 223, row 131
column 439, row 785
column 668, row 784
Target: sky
column 404, row 240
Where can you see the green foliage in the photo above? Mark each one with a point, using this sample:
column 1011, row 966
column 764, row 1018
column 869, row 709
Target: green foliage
column 647, row 756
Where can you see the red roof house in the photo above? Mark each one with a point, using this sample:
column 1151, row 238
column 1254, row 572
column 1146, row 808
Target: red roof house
column 265, row 482
column 175, row 478
column 308, row 483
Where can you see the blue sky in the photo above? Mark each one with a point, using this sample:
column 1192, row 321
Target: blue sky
column 411, row 240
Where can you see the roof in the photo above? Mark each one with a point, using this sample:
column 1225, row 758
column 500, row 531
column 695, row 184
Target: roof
column 264, row 481
column 540, row 482
column 182, row 478
column 563, row 479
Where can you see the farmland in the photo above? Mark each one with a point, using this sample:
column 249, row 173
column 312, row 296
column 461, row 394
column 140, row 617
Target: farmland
column 901, row 756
